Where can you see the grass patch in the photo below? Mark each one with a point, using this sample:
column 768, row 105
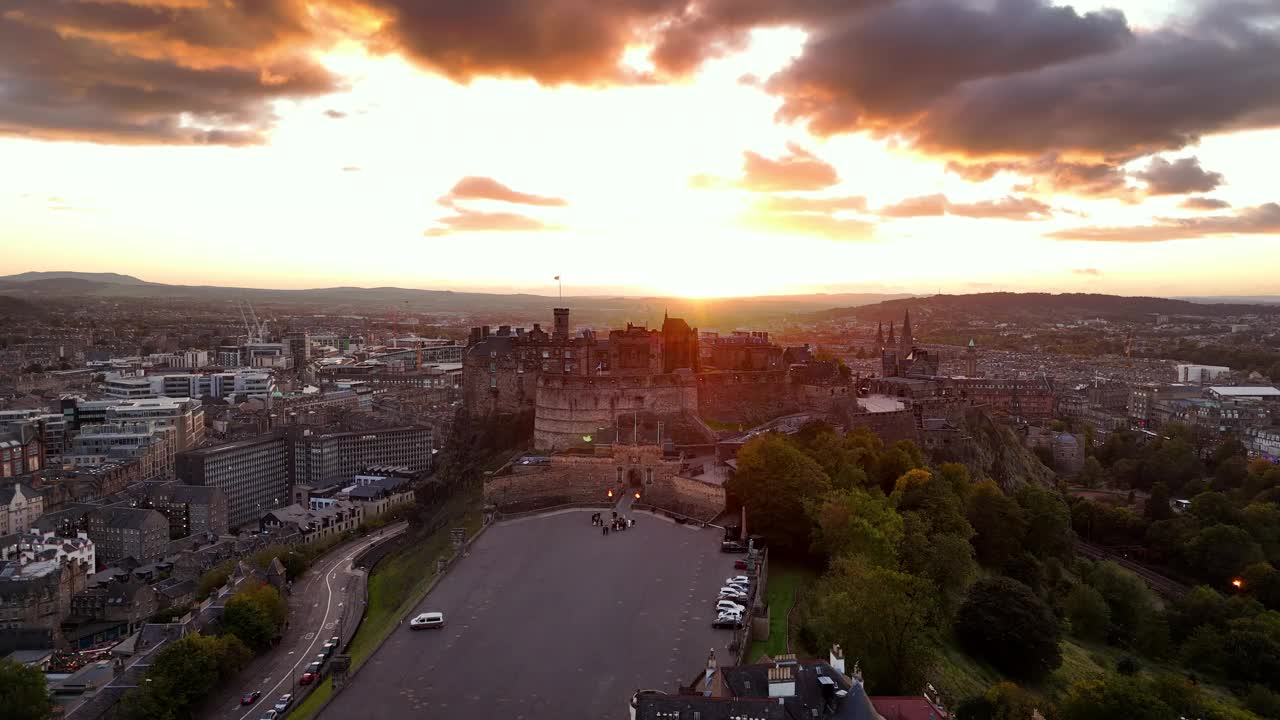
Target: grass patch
column 785, row 581
column 399, row 581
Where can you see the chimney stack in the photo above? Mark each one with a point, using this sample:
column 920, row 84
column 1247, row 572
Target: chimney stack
column 782, row 681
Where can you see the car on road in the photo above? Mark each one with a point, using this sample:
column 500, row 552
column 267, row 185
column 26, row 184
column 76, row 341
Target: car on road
column 322, row 657
column 250, row 697
column 729, row 605
column 307, row 678
column 738, row 579
column 739, row 564
column 727, row 621
column 330, row 648
column 732, row 546
column 735, row 589
column 283, row 702
column 269, row 715
column 335, row 640
column 733, row 597
column 427, row 620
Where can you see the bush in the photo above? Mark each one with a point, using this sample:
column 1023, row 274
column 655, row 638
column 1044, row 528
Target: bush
column 1127, row 666
column 1262, row 701
column 1003, row 622
column 1088, row 612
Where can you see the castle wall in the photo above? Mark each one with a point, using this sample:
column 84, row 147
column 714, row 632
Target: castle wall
column 570, row 407
column 745, row 397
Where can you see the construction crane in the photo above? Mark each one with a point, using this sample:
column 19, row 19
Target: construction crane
column 257, row 331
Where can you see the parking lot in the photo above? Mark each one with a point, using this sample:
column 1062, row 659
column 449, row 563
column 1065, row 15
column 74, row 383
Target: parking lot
column 548, row 618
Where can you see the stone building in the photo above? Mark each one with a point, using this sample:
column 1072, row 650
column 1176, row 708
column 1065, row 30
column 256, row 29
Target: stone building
column 34, row 599
column 117, row 532
column 20, row 506
column 191, row 509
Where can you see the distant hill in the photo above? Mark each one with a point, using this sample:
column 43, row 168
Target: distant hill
column 14, row 308
column 113, row 278
column 719, row 313
column 1066, row 306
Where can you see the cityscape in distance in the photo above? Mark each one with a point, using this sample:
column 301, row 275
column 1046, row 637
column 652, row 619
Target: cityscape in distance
column 639, row 360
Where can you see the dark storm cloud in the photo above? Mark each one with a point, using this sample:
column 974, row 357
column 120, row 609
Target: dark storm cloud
column 1178, row 177
column 1006, row 208
column 142, row 72
column 887, row 69
column 1204, row 203
column 475, row 221
column 483, row 188
column 1160, row 91
column 1260, row 220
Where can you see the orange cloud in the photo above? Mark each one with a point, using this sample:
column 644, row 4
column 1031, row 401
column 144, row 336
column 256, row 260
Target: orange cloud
column 475, row 187
column 1260, row 220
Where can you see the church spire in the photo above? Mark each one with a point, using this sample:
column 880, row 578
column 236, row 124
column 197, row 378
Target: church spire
column 880, row 335
column 907, row 340
column 890, row 341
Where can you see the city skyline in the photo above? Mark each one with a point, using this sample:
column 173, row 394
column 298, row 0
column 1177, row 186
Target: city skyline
column 636, row 149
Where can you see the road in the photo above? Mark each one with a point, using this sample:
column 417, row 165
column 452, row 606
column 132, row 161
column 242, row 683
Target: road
column 328, row 592
column 548, row 618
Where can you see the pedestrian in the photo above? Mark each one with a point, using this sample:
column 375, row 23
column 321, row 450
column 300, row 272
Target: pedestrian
column 606, row 530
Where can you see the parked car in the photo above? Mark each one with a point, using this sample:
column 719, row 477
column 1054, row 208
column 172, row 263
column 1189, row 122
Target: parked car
column 732, row 546
column 740, row 599
column 735, row 589
column 427, row 620
column 335, row 640
column 284, row 702
column 729, row 605
column 330, row 647
column 739, row 564
column 732, row 621
column 269, row 715
column 250, row 697
column 307, row 678
column 736, row 579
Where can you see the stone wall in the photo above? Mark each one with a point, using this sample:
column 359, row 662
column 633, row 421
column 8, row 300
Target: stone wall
column 570, row 478
column 745, row 397
column 570, row 407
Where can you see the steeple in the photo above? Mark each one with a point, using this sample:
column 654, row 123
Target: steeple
column 907, row 340
column 880, row 335
column 890, row 341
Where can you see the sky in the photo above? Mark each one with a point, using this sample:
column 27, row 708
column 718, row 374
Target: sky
column 686, row 147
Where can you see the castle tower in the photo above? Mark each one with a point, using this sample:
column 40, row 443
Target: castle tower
column 971, row 360
column 561, row 330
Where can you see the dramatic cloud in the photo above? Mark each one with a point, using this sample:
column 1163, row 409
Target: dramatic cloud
column 1092, row 272
column 1006, row 208
column 1204, row 203
column 475, row 221
column 1178, row 177
column 1050, row 174
column 799, row 169
column 135, row 71
column 886, row 69
column 335, row 114
column 1027, row 78
column 483, row 188
column 1260, row 220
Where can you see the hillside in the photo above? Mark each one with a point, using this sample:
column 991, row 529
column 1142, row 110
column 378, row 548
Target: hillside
column 997, row 453
column 722, row 313
column 1022, row 306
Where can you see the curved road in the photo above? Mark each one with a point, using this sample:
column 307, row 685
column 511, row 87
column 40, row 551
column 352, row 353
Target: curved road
column 319, row 602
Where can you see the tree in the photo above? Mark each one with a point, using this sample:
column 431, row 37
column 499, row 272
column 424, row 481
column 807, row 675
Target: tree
column 1002, row 701
column 255, row 615
column 946, row 559
column 1128, row 598
column 1112, row 698
column 997, row 523
column 1048, row 522
column 1212, row 508
column 1230, row 474
column 1088, row 612
column 775, row 481
column 1092, row 475
column 1157, row 507
column 858, row 522
column 1003, row 622
column 23, row 693
column 1218, row 553
column 882, row 618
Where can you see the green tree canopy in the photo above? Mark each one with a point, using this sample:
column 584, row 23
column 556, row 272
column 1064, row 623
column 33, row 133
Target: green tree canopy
column 1220, row 552
column 882, row 618
column 1087, row 609
column 775, row 481
column 1113, row 698
column 1128, row 598
column 997, row 522
column 858, row 522
column 255, row 615
column 23, row 693
column 1003, row 622
column 1048, row 522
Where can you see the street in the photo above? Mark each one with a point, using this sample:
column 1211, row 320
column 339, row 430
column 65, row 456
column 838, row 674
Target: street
column 320, row 606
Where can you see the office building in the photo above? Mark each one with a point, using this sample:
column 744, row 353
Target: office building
column 321, row 459
column 252, row 474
